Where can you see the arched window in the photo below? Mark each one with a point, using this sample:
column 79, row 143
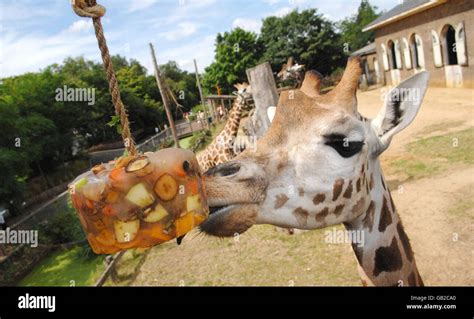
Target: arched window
column 406, row 53
column 438, row 57
column 449, row 37
column 392, row 55
column 416, row 48
column 398, row 55
column 461, row 44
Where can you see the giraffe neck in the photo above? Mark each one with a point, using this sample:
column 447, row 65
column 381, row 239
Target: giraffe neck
column 386, row 258
column 226, row 137
column 221, row 148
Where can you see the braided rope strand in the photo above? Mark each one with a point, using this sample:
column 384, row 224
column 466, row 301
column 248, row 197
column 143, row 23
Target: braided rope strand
column 89, row 8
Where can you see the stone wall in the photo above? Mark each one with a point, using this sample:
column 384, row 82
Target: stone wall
column 452, row 12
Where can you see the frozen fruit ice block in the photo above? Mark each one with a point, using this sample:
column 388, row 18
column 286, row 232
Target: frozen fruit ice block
column 140, row 201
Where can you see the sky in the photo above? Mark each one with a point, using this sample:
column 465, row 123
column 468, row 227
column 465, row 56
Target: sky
column 37, row 33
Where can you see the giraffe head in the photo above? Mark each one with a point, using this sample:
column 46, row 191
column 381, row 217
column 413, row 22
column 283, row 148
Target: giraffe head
column 291, row 71
column 244, row 91
column 310, row 169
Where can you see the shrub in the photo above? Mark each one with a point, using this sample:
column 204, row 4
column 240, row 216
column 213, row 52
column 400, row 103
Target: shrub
column 62, row 228
column 199, row 140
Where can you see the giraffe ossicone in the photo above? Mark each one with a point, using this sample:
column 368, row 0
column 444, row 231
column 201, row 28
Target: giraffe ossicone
column 328, row 152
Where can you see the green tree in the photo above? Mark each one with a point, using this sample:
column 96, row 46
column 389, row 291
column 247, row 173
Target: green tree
column 351, row 27
column 235, row 52
column 22, row 142
column 307, row 36
column 182, row 83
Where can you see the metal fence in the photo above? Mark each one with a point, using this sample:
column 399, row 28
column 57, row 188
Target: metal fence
column 183, row 129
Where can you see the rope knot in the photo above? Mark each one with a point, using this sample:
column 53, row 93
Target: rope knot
column 88, row 8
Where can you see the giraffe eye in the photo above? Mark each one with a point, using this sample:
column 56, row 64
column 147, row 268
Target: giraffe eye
column 346, row 148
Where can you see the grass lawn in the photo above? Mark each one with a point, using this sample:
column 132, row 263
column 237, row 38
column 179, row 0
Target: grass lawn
column 215, row 130
column 262, row 256
column 65, row 268
column 431, row 155
column 184, row 142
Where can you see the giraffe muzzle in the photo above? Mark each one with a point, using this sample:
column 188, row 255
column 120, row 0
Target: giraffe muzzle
column 234, row 190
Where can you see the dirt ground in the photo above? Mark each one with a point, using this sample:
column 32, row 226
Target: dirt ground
column 437, row 212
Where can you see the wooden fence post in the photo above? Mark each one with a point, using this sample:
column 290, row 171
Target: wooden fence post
column 264, row 93
column 164, row 97
column 200, row 94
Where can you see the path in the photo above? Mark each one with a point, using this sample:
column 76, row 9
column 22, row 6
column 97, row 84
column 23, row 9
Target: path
column 439, row 222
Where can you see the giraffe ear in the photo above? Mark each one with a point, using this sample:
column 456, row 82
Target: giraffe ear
column 401, row 106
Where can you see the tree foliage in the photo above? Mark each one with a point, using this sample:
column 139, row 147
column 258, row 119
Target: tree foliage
column 235, row 52
column 351, row 27
column 307, row 36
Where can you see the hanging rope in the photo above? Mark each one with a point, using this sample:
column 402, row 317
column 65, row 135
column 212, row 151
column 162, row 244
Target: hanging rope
column 90, row 9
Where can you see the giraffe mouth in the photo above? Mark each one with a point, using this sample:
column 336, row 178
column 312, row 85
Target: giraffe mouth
column 216, row 215
column 226, row 221
column 220, row 209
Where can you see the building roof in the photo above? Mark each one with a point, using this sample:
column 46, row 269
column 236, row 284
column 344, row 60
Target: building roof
column 401, row 11
column 368, row 49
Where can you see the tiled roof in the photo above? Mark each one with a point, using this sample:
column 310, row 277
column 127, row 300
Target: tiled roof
column 368, row 49
column 401, row 10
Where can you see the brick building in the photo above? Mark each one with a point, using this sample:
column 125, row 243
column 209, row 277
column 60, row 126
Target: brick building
column 432, row 35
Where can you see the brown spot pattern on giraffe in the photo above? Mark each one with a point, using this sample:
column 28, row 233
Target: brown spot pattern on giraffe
column 385, row 216
column 337, row 189
column 280, row 200
column 301, row 216
column 358, row 185
column 348, row 192
column 358, row 208
column 319, row 199
column 387, row 258
column 338, row 210
column 368, row 220
column 322, row 214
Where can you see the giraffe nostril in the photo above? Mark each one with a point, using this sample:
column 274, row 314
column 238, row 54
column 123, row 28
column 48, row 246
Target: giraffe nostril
column 226, row 169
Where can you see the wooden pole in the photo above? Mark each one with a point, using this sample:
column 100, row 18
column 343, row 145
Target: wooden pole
column 164, row 96
column 110, row 267
column 264, row 93
column 200, row 93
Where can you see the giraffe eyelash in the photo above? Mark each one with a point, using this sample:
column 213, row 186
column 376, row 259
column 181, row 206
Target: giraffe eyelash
column 344, row 147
